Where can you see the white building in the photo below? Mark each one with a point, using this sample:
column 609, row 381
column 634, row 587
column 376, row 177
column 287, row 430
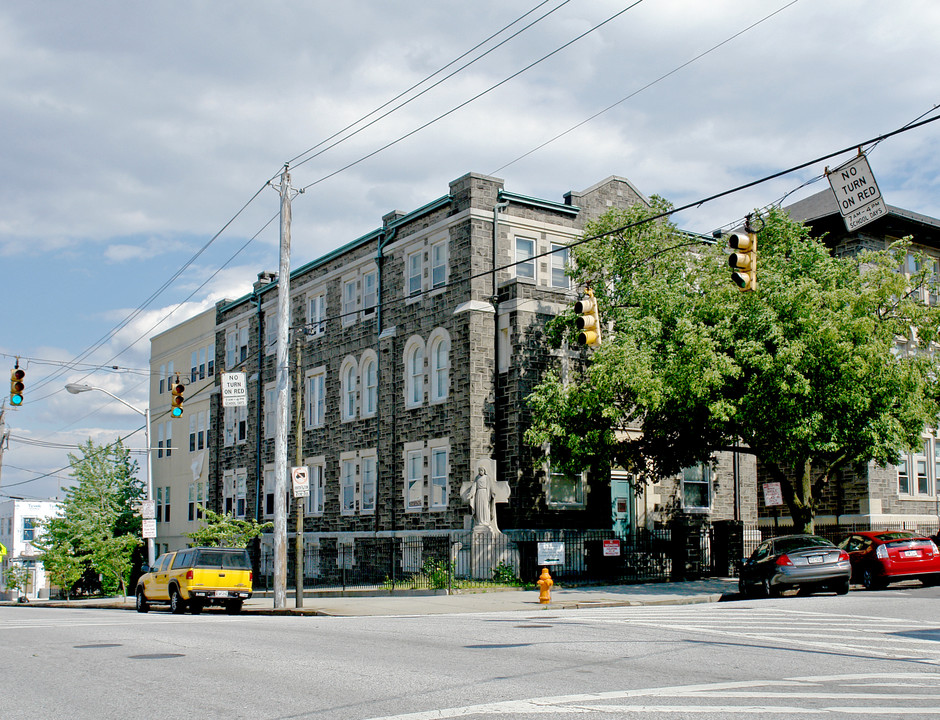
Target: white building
column 20, row 522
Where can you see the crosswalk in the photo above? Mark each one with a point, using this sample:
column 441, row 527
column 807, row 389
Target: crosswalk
column 860, row 635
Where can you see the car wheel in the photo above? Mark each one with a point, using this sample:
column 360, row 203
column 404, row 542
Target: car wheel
column 195, row 607
column 841, row 588
column 177, row 605
column 233, row 607
column 142, row 604
column 871, row 581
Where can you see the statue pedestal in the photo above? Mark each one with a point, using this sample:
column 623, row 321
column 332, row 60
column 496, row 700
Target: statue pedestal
column 480, row 552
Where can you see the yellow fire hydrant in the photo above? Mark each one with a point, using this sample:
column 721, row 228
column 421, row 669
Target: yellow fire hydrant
column 545, row 583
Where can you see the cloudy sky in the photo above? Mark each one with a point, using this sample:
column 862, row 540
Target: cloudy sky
column 135, row 135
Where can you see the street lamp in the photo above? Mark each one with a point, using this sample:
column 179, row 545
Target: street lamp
column 75, row 389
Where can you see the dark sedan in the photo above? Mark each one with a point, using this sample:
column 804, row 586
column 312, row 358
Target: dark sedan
column 808, row 562
column 880, row 557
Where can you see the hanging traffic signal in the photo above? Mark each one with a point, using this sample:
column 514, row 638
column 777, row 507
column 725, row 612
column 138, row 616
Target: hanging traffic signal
column 589, row 321
column 17, row 386
column 743, row 260
column 176, row 403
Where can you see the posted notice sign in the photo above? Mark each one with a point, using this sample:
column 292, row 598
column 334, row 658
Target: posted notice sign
column 551, row 553
column 857, row 193
column 611, row 548
column 300, row 480
column 234, row 389
column 773, row 495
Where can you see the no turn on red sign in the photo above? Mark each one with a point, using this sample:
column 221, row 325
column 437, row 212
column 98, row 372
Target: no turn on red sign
column 857, row 193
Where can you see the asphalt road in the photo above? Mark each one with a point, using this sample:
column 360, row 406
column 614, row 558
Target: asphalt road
column 867, row 654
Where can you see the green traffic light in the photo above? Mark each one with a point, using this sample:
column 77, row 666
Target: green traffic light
column 176, row 412
column 16, row 399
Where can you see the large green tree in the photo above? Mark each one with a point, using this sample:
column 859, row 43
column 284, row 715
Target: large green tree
column 98, row 527
column 824, row 367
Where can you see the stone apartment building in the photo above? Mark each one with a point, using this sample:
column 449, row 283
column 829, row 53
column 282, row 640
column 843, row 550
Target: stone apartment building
column 908, row 493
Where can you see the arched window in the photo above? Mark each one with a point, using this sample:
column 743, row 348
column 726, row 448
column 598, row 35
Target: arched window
column 369, row 386
column 439, row 365
column 414, row 372
column 348, row 375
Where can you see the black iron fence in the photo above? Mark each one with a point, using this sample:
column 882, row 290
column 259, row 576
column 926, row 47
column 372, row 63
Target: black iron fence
column 687, row 549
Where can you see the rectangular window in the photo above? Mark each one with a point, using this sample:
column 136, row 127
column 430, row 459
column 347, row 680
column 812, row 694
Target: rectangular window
column 166, row 504
column 347, row 487
column 367, row 468
column 230, row 415
column 241, row 491
column 439, row 477
column 202, row 363
column 369, row 292
column 210, row 364
column 559, row 263
column 904, row 479
column 316, row 314
column 414, row 268
column 269, row 488
column 228, row 492
column 242, row 344
column 270, row 406
column 159, row 440
column 162, row 379
column 192, row 502
column 369, row 387
column 696, row 483
column 350, row 302
column 315, row 499
column 231, row 349
column 158, row 504
column 169, row 438
column 316, row 398
column 193, row 366
column 525, row 258
column 29, row 528
column 438, row 265
column 242, row 420
column 201, row 442
column 564, row 491
column 414, row 468
column 192, row 433
column 270, row 333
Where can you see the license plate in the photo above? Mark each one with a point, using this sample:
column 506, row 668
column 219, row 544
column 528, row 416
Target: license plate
column 817, row 559
column 220, row 594
column 910, row 553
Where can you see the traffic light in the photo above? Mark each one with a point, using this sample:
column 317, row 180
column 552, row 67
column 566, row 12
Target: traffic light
column 176, row 404
column 743, row 260
column 17, row 375
column 589, row 321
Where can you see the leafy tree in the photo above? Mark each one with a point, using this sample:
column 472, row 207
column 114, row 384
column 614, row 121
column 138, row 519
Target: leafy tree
column 226, row 531
column 59, row 554
column 806, row 372
column 98, row 528
column 16, row 578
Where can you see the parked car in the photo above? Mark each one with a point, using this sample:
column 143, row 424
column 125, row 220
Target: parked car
column 197, row 577
column 808, row 562
column 880, row 557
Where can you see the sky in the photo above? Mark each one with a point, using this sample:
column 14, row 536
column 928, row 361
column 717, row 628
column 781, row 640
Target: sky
column 137, row 141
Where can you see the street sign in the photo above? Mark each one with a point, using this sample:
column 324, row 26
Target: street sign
column 773, row 495
column 148, row 509
column 234, row 389
column 551, row 553
column 857, row 193
column 611, row 548
column 149, row 528
column 300, row 479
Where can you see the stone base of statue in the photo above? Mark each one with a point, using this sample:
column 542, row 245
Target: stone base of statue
column 480, row 552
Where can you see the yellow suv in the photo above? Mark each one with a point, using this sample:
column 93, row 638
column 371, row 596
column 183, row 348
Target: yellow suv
column 197, row 577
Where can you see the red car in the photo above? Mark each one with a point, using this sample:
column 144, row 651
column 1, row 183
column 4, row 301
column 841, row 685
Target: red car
column 880, row 557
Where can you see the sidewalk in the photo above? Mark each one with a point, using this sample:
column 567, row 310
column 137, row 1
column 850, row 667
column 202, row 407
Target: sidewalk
column 490, row 600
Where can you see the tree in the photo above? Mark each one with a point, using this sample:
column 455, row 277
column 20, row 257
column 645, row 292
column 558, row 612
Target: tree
column 805, row 373
column 16, row 578
column 226, row 531
column 98, row 527
column 59, row 554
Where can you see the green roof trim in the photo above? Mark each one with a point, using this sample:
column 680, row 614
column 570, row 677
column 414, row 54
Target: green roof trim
column 423, row 210
column 572, row 210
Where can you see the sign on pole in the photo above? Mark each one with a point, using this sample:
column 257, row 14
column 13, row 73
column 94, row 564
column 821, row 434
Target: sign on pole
column 857, row 193
column 234, row 389
column 773, row 495
column 148, row 510
column 551, row 553
column 149, row 528
column 300, row 479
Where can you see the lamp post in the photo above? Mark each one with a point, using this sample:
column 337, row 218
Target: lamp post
column 75, row 389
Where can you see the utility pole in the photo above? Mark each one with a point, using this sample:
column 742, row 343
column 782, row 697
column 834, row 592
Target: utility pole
column 282, row 392
column 298, row 461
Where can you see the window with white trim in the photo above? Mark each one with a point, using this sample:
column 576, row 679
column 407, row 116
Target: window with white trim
column 368, row 475
column 559, row 264
column 317, row 468
column 315, row 398
column 439, row 472
column 368, row 374
column 347, row 484
column 414, row 478
column 525, row 258
column 414, row 372
column 316, row 314
column 438, row 264
column 696, row 487
column 414, row 267
column 270, row 410
column 369, row 292
column 350, row 300
column 348, row 379
column 228, row 492
column 192, row 433
column 241, row 491
column 914, row 477
column 161, row 380
column 563, row 490
column 439, row 366
column 270, row 331
column 169, row 438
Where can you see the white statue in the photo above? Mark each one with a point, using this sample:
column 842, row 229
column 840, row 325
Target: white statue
column 482, row 493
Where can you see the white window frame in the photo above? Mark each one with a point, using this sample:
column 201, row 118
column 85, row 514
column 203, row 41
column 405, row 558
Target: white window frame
column 370, row 292
column 368, row 384
column 241, row 492
column 414, row 477
column 316, row 314
column 270, row 410
column 438, row 366
column 413, row 359
column 268, row 489
column 368, row 481
column 350, row 300
column 228, row 492
column 560, row 279
column 414, row 273
column 316, row 499
column 438, row 474
column 349, row 389
column 438, row 260
column 315, row 398
column 687, row 477
column 348, row 484
column 524, row 262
